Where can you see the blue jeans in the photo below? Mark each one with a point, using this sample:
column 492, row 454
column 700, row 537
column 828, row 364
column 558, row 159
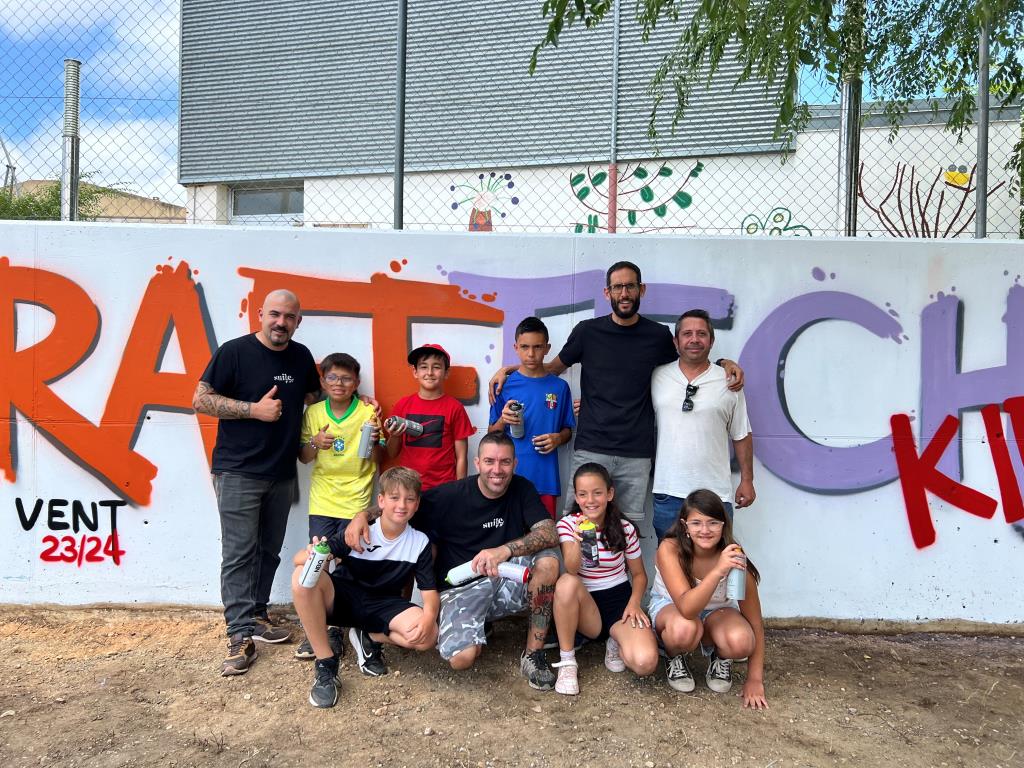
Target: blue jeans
column 631, row 478
column 666, row 512
column 253, row 518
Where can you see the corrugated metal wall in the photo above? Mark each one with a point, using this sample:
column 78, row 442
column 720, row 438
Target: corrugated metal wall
column 306, row 89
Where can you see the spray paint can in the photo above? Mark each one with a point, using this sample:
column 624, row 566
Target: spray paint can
column 461, row 574
column 315, row 565
column 589, row 551
column 736, row 582
column 412, row 428
column 516, row 430
column 514, row 572
column 366, row 441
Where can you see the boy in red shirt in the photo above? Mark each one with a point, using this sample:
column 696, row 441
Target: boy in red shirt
column 439, row 454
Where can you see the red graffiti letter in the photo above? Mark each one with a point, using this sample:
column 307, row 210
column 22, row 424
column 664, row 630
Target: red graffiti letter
column 1013, row 510
column 27, row 374
column 919, row 474
column 171, row 302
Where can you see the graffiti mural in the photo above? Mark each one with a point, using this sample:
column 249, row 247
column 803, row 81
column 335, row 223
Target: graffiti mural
column 492, row 193
column 889, row 425
column 944, row 209
column 778, row 222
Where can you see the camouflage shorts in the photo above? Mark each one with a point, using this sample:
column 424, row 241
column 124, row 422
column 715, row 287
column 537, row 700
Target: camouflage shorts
column 464, row 609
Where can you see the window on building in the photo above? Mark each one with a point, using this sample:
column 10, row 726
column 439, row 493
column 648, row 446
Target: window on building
column 267, row 204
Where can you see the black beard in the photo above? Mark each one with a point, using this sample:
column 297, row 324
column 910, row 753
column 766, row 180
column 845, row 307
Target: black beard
column 625, row 315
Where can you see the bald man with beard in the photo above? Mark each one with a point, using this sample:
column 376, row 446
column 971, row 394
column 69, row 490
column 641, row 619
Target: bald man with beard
column 256, row 385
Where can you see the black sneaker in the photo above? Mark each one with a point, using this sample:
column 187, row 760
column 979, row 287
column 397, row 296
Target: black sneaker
column 241, row 654
column 537, row 671
column 267, row 631
column 369, row 654
column 305, row 652
column 324, row 693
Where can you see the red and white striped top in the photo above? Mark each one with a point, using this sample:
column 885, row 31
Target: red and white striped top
column 611, row 567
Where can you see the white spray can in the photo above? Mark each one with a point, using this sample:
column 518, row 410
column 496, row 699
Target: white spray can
column 736, row 582
column 315, row 565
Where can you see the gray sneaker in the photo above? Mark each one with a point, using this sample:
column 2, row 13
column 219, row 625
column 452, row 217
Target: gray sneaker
column 719, row 676
column 537, row 671
column 679, row 676
column 324, row 692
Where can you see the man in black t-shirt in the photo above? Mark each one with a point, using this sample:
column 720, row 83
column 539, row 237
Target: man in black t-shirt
column 256, row 386
column 487, row 519
column 618, row 353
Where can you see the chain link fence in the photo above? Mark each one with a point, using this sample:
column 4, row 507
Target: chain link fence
column 218, row 112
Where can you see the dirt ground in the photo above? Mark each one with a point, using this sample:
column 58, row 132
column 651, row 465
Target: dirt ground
column 118, row 687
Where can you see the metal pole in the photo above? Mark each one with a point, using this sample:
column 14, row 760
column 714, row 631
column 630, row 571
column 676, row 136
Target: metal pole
column 69, row 157
column 400, row 116
column 981, row 178
column 613, row 153
column 849, row 153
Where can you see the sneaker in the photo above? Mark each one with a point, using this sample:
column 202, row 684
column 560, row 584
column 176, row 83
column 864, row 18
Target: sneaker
column 324, row 692
column 369, row 654
column 241, row 654
column 267, row 631
column 567, row 682
column 305, row 651
column 334, row 637
column 612, row 659
column 535, row 668
column 719, row 675
column 679, row 676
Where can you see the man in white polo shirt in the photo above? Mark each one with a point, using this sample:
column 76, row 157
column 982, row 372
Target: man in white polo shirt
column 697, row 416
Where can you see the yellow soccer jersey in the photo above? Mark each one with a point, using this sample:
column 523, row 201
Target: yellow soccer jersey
column 341, row 483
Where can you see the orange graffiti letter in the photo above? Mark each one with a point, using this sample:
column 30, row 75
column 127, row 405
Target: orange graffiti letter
column 171, row 303
column 27, row 374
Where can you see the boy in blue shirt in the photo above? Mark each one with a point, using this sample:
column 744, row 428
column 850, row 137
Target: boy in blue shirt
column 546, row 415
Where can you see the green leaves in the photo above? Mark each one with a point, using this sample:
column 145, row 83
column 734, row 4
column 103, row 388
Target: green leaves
column 682, row 199
column 598, row 178
column 647, row 194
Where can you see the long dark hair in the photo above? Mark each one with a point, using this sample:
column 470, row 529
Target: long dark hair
column 707, row 503
column 612, row 534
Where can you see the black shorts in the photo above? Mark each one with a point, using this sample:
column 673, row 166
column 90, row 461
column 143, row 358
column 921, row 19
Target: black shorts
column 611, row 603
column 325, row 527
column 355, row 607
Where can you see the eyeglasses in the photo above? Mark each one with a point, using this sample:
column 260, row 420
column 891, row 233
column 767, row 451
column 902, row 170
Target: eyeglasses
column 620, row 288
column 333, row 378
column 711, row 525
column 691, row 390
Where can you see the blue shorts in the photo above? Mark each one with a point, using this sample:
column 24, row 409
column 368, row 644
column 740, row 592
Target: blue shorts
column 666, row 512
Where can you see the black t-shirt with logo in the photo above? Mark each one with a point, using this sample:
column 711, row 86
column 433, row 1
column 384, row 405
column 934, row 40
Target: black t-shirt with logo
column 245, row 369
column 616, row 413
column 462, row 521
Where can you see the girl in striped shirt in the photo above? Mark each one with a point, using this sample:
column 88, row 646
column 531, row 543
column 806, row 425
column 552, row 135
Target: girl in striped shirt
column 599, row 602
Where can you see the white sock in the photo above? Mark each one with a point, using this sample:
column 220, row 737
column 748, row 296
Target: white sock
column 567, row 655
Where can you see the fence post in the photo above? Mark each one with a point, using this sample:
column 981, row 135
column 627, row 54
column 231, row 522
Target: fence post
column 69, row 157
column 981, row 179
column 613, row 153
column 398, row 215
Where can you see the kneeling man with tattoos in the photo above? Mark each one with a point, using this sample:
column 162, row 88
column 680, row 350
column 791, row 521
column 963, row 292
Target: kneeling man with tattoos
column 488, row 518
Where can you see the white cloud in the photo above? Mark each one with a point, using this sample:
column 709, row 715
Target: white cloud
column 138, row 156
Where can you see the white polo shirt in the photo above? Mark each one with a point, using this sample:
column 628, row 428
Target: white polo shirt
column 693, row 447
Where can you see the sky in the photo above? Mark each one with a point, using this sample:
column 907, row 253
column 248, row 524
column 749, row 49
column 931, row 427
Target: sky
column 129, row 98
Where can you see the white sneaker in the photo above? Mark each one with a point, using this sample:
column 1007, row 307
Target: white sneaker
column 612, row 659
column 719, row 676
column 567, row 683
column 679, row 676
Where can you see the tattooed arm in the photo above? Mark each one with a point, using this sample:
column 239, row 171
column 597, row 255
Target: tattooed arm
column 206, row 400
column 541, row 536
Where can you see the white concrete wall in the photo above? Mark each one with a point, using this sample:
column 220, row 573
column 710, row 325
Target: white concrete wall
column 830, row 530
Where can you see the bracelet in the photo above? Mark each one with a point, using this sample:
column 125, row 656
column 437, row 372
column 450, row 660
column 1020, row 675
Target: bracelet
column 313, row 445
column 719, row 362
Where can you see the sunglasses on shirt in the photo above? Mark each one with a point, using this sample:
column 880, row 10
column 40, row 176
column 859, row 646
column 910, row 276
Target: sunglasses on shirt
column 691, row 390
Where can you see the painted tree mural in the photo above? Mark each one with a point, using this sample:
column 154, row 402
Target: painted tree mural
column 645, row 196
column 492, row 193
column 907, row 210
